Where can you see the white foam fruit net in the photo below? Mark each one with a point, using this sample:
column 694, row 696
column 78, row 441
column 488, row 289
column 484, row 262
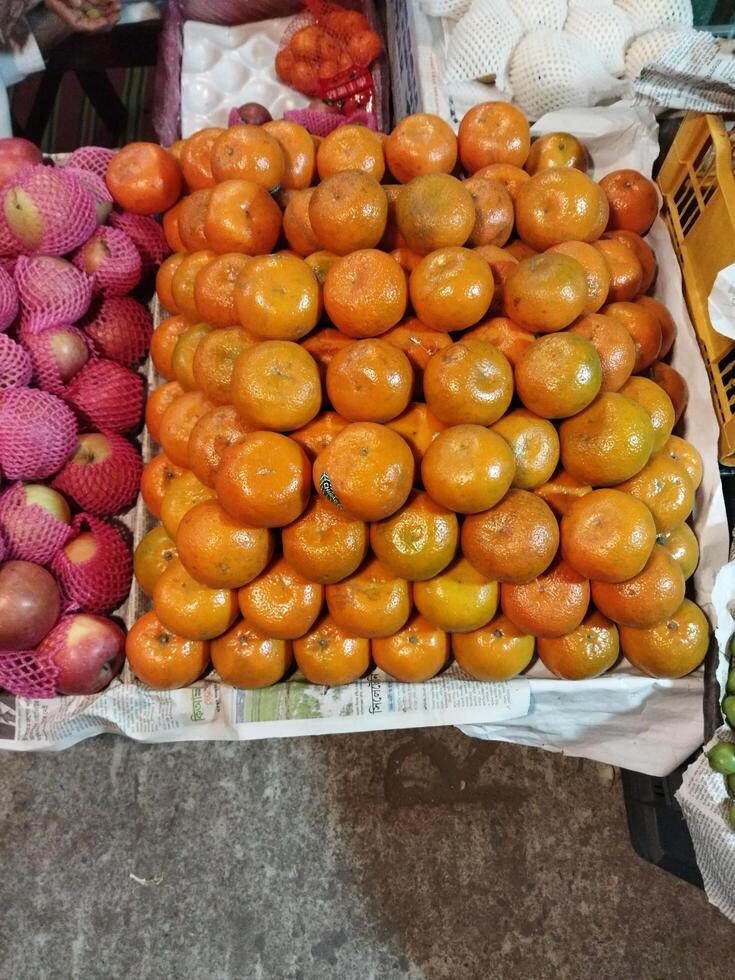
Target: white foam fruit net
column 540, row 13
column 646, row 48
column 605, row 27
column 482, row 43
column 646, row 15
column 451, row 9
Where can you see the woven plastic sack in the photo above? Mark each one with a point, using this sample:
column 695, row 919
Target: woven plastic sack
column 645, row 15
column 28, row 674
column 8, row 299
column 52, row 290
column 646, row 48
column 16, row 368
column 66, row 213
column 550, row 70
column 120, row 328
column 540, row 13
column 107, row 396
column 449, row 9
column 38, row 433
column 482, row 43
column 605, row 27
column 93, row 158
column 106, row 487
column 96, row 186
column 112, row 260
column 145, row 233
column 38, row 343
column 30, row 531
column 102, row 582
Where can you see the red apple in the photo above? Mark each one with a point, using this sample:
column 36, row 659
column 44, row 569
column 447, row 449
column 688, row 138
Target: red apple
column 88, row 650
column 16, row 153
column 51, row 500
column 29, row 604
column 69, row 351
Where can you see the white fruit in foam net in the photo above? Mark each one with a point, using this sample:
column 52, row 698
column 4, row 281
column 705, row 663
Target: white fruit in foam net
column 647, row 48
column 645, row 15
column 482, row 43
column 607, row 29
column 47, row 211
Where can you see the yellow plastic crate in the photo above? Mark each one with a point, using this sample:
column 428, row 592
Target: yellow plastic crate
column 698, row 187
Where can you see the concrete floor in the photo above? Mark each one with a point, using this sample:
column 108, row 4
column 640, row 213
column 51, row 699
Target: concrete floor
column 397, row 855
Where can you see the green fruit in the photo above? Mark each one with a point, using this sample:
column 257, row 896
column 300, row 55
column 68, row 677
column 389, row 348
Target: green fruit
column 730, row 688
column 730, row 782
column 722, row 758
column 728, row 709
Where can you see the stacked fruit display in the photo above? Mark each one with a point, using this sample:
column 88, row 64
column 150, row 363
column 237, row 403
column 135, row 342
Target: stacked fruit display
column 69, row 396
column 437, row 419
column 722, row 754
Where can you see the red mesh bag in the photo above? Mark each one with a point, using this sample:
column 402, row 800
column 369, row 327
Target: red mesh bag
column 145, row 233
column 52, row 290
column 92, row 158
column 96, row 186
column 120, row 328
column 101, row 582
column 8, row 299
column 112, row 260
column 28, row 674
column 322, row 123
column 47, row 211
column 31, row 532
column 38, row 343
column 106, row 486
column 108, row 396
column 38, row 433
column 16, row 369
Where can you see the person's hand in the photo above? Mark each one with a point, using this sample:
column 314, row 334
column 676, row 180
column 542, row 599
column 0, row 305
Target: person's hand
column 85, row 16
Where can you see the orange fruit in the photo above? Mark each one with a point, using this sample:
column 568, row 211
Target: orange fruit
column 183, row 492
column 171, row 228
column 214, row 361
column 320, row 262
column 323, row 345
column 163, row 341
column 665, row 321
column 557, row 150
column 365, row 293
column 418, row 342
column 190, row 221
column 182, row 359
column 195, row 159
column 497, row 651
column 324, row 544
column 633, row 200
column 561, row 491
column 560, row 204
column 468, row 468
column 413, row 654
column 182, row 282
column 624, row 269
column 280, row 602
column 158, row 401
column 264, row 480
column 219, row 551
column 369, row 381
column 642, row 251
column 213, row 434
column 643, row 327
column 144, row 178
column 675, row 386
column 189, row 609
column 367, row 470
column 681, row 543
column 418, row 541
column 177, row 422
column 458, row 599
column 503, row 333
column 242, row 217
column 319, row 433
column 647, row 598
column 351, row 148
column 665, row 488
column 514, row 541
column 155, row 480
column 391, row 237
column 671, row 648
column 534, row 444
column 510, row 176
column 552, row 604
column 686, row 455
column 161, row 659
column 246, row 152
column 348, row 211
column 493, row 132
column 520, row 250
column 451, row 289
column 245, row 658
column 297, row 223
column 421, row 143
column 596, row 274
column 587, row 651
column 164, row 278
column 152, row 555
column 493, row 211
column 214, row 289
column 559, row 375
column 501, row 265
column 275, row 385
column 614, row 346
column 419, row 427
column 657, row 403
column 298, row 152
column 545, row 293
column 608, row 442
column 435, row 211
column 278, row 298
column 329, row 655
column 372, row 602
column 607, row 535
column 469, row 382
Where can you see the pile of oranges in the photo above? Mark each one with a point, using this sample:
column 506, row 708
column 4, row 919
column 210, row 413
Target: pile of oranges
column 436, row 420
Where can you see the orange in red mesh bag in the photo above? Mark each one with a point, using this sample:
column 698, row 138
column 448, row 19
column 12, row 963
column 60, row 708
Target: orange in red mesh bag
column 326, row 52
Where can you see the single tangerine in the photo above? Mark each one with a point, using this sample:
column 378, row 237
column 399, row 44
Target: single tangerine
column 177, row 422
column 182, row 282
column 156, row 478
column 245, row 152
column 418, row 541
column 369, row 381
column 298, row 152
column 587, row 651
column 671, row 648
column 663, row 485
column 459, row 599
column 372, row 602
column 163, row 341
column 182, row 359
column 493, row 132
column 212, row 435
column 351, row 148
column 503, row 333
column 214, row 289
column 624, row 269
column 468, row 468
column 158, row 401
column 642, row 251
column 278, row 298
column 242, row 217
column 557, row 150
column 365, row 293
column 681, row 543
column 545, row 293
column 673, row 383
column 510, row 176
column 297, row 223
column 647, row 598
column 469, row 382
column 421, row 143
column 191, row 217
column 160, row 658
column 329, row 655
column 614, row 345
column 596, row 273
column 633, row 200
column 665, row 321
column 275, row 385
column 552, row 604
column 164, row 278
column 451, row 289
column 657, row 403
column 493, row 212
column 280, row 602
column 434, row 211
column 246, row 658
column 190, row 609
column 324, row 544
column 214, row 361
column 686, row 455
column 559, row 375
column 560, row 204
column 413, row 654
column 497, row 651
column 183, row 492
column 151, row 558
column 144, row 178
column 348, row 211
column 195, row 159
column 535, row 446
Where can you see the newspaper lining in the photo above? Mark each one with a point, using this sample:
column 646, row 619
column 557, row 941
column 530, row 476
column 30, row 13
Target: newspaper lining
column 695, row 74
